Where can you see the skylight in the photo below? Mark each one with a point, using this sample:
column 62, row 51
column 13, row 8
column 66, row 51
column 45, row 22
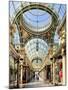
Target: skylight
column 31, row 49
column 37, row 20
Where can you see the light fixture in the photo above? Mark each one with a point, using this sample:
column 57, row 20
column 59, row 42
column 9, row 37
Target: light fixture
column 37, row 43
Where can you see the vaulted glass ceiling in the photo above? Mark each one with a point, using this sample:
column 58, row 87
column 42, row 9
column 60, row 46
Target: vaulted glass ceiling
column 16, row 6
column 37, row 20
column 36, row 48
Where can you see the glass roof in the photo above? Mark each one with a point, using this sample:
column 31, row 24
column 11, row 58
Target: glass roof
column 16, row 37
column 37, row 20
column 56, row 38
column 15, row 6
column 36, row 48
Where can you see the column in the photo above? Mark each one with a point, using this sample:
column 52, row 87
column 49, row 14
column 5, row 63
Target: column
column 53, row 71
column 14, row 74
column 45, row 74
column 21, row 74
column 18, row 74
column 63, row 68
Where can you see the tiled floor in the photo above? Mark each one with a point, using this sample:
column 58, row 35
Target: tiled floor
column 37, row 84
